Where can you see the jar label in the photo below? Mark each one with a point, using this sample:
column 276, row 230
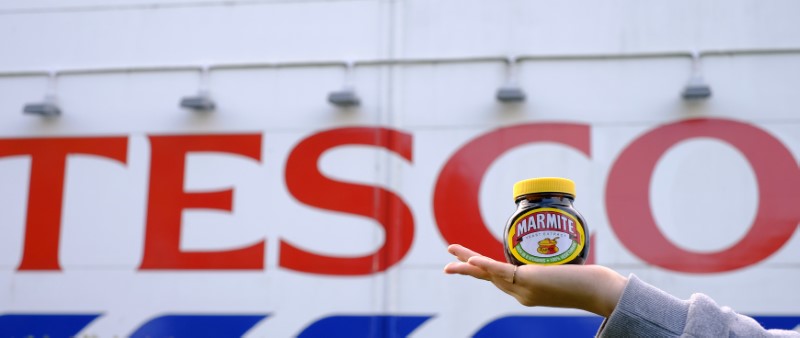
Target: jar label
column 546, row 236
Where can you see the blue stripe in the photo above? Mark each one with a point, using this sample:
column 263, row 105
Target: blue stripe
column 778, row 322
column 363, row 326
column 197, row 326
column 541, row 326
column 41, row 325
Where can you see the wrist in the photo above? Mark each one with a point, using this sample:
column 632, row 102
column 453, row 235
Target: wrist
column 608, row 288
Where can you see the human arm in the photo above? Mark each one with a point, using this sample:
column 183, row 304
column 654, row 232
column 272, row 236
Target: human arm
column 644, row 310
column 592, row 288
column 631, row 306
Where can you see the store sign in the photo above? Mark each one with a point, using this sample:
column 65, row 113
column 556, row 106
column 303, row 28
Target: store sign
column 455, row 195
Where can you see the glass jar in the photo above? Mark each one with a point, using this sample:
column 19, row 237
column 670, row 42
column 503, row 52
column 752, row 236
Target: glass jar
column 545, row 229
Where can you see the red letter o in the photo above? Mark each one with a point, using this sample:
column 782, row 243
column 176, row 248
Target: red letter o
column 628, row 202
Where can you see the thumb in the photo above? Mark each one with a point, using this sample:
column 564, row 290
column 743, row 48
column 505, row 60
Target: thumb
column 498, row 270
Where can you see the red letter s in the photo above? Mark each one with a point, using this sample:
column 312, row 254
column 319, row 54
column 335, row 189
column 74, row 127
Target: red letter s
column 309, row 186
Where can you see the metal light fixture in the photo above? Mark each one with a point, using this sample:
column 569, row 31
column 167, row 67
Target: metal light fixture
column 347, row 96
column 511, row 91
column 201, row 102
column 510, row 94
column 48, row 107
column 696, row 88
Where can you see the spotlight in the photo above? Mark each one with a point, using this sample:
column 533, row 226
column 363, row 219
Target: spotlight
column 200, row 102
column 696, row 89
column 344, row 98
column 510, row 94
column 46, row 109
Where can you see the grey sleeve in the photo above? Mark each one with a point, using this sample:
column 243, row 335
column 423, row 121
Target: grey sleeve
column 646, row 311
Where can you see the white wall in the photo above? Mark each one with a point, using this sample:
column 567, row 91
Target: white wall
column 442, row 105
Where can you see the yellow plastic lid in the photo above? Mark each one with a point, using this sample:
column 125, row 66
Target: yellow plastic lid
column 543, row 185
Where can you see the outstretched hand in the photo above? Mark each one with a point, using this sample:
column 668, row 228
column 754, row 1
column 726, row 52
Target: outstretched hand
column 592, row 288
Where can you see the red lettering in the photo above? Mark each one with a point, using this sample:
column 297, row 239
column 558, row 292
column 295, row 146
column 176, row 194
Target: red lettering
column 46, row 189
column 309, row 186
column 455, row 199
column 167, row 200
column 628, row 202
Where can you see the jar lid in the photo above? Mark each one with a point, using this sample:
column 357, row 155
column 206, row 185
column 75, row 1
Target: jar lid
column 544, row 185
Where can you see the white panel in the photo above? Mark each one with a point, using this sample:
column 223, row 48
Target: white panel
column 453, row 95
column 116, row 5
column 191, row 35
column 14, row 202
column 458, row 27
column 756, row 88
column 102, row 223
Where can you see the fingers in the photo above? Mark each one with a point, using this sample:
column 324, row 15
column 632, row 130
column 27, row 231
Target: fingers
column 466, row 269
column 498, row 270
column 478, row 266
column 462, row 253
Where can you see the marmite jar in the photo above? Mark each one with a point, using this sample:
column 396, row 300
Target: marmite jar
column 545, row 229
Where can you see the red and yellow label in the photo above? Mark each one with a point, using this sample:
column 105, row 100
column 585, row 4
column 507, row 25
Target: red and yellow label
column 547, row 236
